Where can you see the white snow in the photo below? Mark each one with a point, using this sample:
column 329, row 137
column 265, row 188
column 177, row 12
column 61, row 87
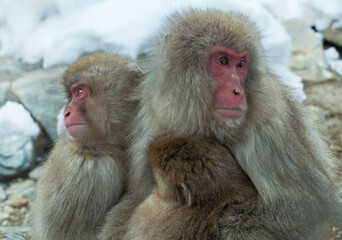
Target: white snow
column 14, row 118
column 336, row 65
column 59, row 31
column 60, row 122
column 332, row 57
column 331, row 54
column 316, row 13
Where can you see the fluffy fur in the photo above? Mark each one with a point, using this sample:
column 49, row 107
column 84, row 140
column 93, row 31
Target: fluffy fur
column 84, row 177
column 196, row 178
column 275, row 144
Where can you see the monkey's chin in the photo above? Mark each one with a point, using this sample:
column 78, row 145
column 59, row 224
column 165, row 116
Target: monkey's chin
column 230, row 114
column 76, row 130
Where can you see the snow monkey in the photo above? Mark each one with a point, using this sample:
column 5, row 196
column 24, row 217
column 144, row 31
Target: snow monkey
column 85, row 172
column 209, row 78
column 196, row 179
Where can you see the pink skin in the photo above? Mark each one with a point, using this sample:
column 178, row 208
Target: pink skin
column 229, row 69
column 74, row 114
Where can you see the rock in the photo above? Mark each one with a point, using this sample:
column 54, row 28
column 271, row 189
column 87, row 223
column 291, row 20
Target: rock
column 10, row 65
column 3, row 195
column 18, row 189
column 327, row 95
column 336, row 66
column 18, row 202
column 17, row 150
column 36, row 173
column 332, row 56
column 17, row 120
column 319, row 113
column 15, row 233
column 307, row 54
column 4, row 89
column 5, row 76
column 17, row 155
column 8, row 209
column 40, row 93
column 4, row 216
column 333, row 34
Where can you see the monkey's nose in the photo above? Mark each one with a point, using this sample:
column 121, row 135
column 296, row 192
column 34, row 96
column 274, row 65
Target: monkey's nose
column 236, row 92
column 66, row 114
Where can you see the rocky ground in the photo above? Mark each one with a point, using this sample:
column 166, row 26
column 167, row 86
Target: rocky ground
column 325, row 99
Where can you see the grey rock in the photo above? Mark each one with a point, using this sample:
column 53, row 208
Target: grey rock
column 333, row 34
column 4, row 216
column 307, row 54
column 18, row 189
column 8, row 209
column 3, row 194
column 16, row 233
column 4, row 89
column 319, row 113
column 36, row 173
column 6, row 76
column 17, row 155
column 40, row 92
column 10, row 65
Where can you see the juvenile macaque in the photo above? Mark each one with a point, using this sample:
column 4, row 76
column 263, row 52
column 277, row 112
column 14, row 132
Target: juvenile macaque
column 209, row 78
column 85, row 172
column 196, row 178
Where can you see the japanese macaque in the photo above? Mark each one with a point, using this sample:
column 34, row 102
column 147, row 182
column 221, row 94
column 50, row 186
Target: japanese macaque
column 209, row 78
column 196, row 178
column 85, row 173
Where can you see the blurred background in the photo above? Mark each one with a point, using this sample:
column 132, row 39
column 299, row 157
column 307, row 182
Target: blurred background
column 39, row 39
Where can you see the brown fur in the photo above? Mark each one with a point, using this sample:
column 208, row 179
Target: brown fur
column 196, row 179
column 84, row 177
column 275, row 144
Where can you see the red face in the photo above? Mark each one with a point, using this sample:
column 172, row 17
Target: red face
column 229, row 69
column 75, row 114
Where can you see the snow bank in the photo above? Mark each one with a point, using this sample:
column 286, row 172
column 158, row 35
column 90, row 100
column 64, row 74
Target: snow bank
column 59, row 31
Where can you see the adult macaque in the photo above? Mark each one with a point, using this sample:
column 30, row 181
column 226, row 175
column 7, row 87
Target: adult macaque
column 196, row 178
column 209, row 78
column 85, row 173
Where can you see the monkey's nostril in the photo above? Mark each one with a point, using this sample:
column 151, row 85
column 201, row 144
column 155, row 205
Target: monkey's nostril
column 66, row 114
column 236, row 93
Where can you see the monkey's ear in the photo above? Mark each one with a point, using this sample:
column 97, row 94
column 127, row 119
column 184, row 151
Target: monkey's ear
column 134, row 67
column 186, row 194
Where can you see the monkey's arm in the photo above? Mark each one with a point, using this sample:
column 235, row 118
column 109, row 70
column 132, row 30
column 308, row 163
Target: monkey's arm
column 198, row 170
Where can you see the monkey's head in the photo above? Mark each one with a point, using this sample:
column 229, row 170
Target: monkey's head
column 207, row 64
column 99, row 91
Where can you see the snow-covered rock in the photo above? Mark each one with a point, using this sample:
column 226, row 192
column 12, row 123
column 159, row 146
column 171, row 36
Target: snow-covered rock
column 40, row 93
column 332, row 56
column 17, row 151
column 4, row 89
column 333, row 34
column 307, row 53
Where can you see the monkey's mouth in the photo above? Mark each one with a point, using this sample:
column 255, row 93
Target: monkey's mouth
column 230, row 113
column 75, row 129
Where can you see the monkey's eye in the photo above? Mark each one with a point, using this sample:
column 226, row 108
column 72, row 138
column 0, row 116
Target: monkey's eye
column 223, row 61
column 79, row 92
column 242, row 64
